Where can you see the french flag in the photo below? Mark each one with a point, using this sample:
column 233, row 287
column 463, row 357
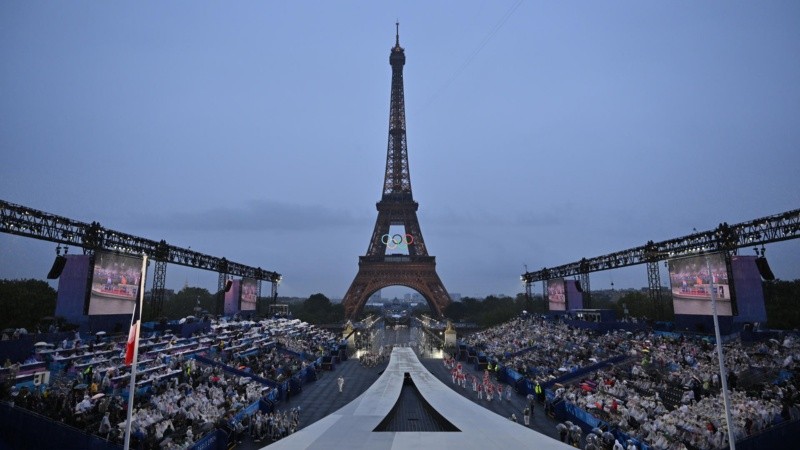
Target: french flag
column 132, row 337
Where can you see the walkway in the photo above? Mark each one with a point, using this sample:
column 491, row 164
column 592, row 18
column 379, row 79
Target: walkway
column 353, row 425
column 321, row 398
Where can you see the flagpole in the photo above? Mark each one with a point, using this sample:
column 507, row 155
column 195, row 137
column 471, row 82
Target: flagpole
column 723, row 374
column 132, row 384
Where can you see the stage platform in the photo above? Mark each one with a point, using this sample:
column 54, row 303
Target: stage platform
column 352, row 426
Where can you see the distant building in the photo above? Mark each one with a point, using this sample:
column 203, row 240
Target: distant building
column 375, row 298
column 413, row 297
column 455, row 296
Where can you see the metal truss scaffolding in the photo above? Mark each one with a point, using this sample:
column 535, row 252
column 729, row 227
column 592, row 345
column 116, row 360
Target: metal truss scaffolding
column 23, row 221
column 724, row 238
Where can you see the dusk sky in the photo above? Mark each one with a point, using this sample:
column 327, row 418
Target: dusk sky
column 538, row 132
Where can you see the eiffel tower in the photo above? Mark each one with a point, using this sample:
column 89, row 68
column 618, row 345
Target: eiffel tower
column 381, row 266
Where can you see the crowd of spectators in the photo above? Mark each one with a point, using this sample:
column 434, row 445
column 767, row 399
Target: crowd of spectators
column 666, row 392
column 306, row 339
column 179, row 399
column 544, row 349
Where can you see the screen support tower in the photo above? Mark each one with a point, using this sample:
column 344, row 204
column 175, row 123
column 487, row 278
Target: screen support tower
column 377, row 269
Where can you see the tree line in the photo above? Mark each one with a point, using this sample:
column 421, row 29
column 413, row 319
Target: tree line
column 24, row 303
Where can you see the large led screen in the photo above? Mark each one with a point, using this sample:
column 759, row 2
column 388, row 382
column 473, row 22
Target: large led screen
column 556, row 297
column 115, row 283
column 249, row 294
column 692, row 285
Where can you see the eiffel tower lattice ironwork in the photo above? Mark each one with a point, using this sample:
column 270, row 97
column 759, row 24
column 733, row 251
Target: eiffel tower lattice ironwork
column 414, row 268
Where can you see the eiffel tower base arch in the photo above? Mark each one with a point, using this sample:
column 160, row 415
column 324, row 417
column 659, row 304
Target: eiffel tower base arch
column 415, row 272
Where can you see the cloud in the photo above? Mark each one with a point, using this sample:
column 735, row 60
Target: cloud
column 484, row 217
column 257, row 215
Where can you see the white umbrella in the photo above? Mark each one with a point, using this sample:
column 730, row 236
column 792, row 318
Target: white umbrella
column 41, row 344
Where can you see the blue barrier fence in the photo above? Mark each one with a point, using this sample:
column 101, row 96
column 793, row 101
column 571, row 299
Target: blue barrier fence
column 20, row 428
column 248, row 410
column 216, row 440
column 237, row 372
column 525, row 385
column 586, row 370
column 286, row 351
column 778, row 436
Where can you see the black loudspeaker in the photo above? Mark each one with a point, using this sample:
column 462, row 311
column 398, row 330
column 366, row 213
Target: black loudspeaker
column 228, row 285
column 763, row 269
column 58, row 267
column 578, row 286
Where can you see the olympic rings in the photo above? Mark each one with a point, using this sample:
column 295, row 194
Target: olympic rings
column 397, row 240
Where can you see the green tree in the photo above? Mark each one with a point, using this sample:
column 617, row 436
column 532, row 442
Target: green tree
column 780, row 301
column 25, row 302
column 602, row 300
column 185, row 301
column 640, row 305
column 455, row 311
column 336, row 314
column 487, row 312
column 319, row 310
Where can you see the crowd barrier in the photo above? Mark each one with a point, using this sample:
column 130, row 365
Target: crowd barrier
column 525, row 385
column 585, row 370
column 309, row 374
column 232, row 370
column 20, row 428
column 286, row 351
column 16, row 350
column 777, row 436
column 582, row 417
column 248, row 410
column 189, row 329
column 216, row 440
column 563, row 411
column 481, row 362
column 748, row 335
column 461, row 351
column 329, row 362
